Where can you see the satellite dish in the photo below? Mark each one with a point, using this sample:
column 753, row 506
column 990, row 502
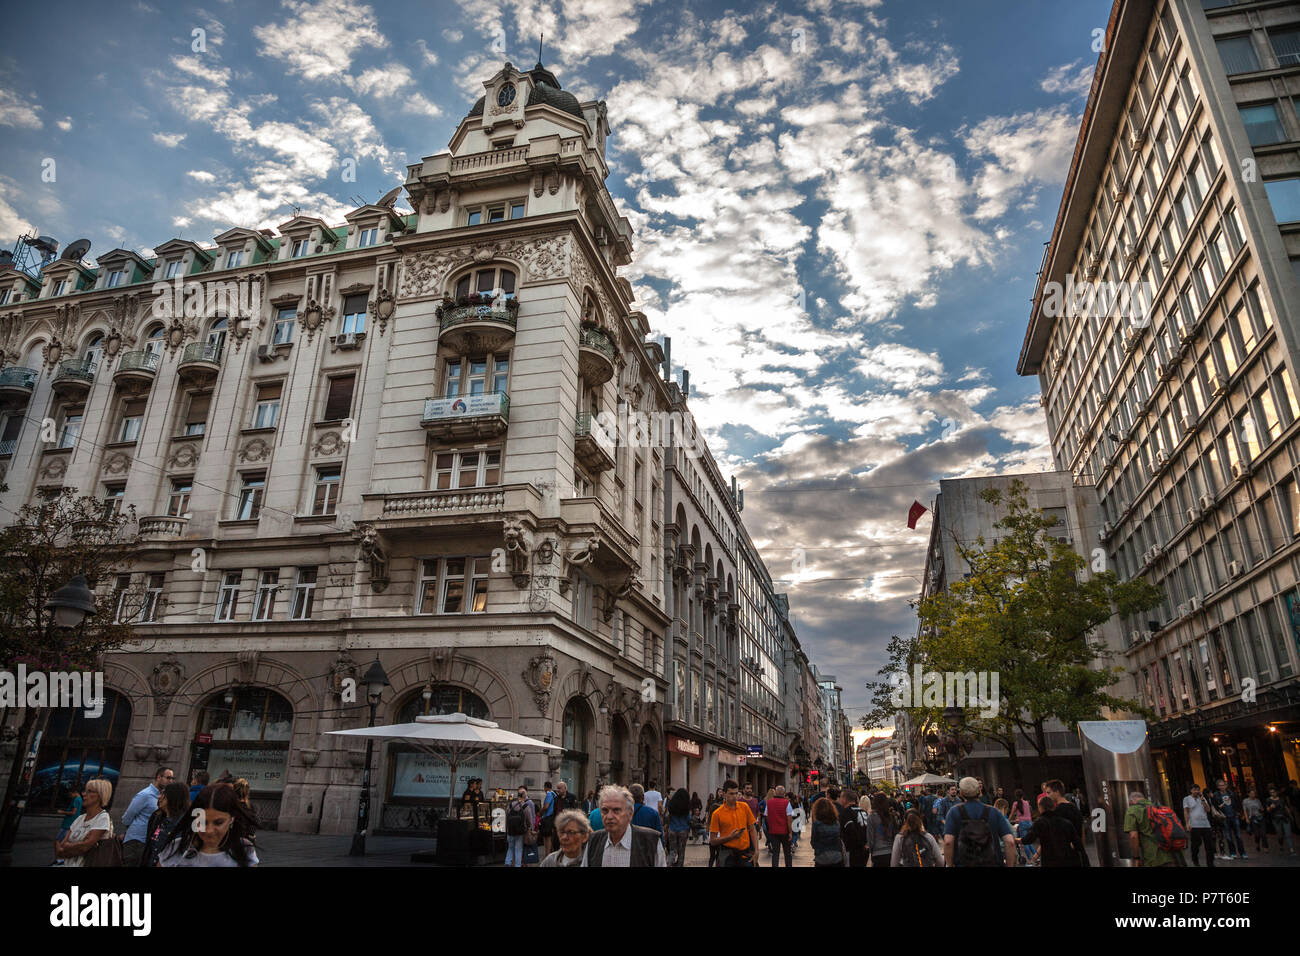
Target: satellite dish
column 390, row 197
column 76, row 251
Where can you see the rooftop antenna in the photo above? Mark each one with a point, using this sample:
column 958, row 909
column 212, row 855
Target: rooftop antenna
column 540, row 37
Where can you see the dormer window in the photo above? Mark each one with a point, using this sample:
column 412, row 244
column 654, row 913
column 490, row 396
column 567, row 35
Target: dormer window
column 4, row 296
column 60, row 287
column 174, row 268
column 115, row 279
column 235, row 259
column 299, row 249
column 368, row 237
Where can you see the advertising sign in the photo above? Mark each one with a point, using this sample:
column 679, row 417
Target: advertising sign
column 681, row 745
column 426, row 777
column 466, row 406
column 263, row 769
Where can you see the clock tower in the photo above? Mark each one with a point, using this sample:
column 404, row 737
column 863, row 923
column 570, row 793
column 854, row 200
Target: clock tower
column 507, row 94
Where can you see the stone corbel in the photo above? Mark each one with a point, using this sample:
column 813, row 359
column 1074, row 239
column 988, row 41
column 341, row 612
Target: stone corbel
column 370, row 549
column 519, row 543
column 539, row 184
column 620, row 591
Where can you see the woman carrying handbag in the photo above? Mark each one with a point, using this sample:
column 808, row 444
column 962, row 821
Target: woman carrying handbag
column 90, row 841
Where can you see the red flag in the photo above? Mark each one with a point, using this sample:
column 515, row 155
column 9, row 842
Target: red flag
column 914, row 514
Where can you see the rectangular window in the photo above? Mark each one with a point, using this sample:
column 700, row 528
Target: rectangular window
column 475, row 217
column 472, row 469
column 326, row 497
column 132, row 419
column 250, row 496
column 178, row 502
column 1263, row 125
column 235, row 259
column 122, row 609
column 228, row 598
column 368, row 237
column 354, row 313
column 196, row 415
column 152, row 597
column 452, row 386
column 516, row 210
column 71, row 429
column 496, row 214
column 174, row 268
column 453, row 585
column 264, row 603
column 1238, row 54
column 338, row 400
column 115, row 279
column 4, row 296
column 284, row 322
column 1284, row 196
column 500, row 371
column 299, row 248
column 304, row 594
column 1286, row 46
column 61, row 287
column 113, row 495
column 267, row 410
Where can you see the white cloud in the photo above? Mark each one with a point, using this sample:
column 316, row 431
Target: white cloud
column 1025, row 151
column 17, row 111
column 902, row 366
column 320, row 39
column 169, row 140
column 202, row 175
column 1069, row 78
column 428, row 56
column 382, row 81
column 64, row 124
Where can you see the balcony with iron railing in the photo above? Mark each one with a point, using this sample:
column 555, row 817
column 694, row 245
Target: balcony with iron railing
column 467, row 416
column 138, row 366
column 477, row 323
column 199, row 361
column 592, row 444
column 596, row 355
column 74, row 377
column 17, row 382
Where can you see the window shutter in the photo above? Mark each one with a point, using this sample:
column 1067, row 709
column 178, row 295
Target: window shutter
column 339, row 403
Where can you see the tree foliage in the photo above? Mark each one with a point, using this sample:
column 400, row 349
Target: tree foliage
column 47, row 545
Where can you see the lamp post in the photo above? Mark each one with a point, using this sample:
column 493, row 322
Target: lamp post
column 375, row 680
column 955, row 717
column 68, row 608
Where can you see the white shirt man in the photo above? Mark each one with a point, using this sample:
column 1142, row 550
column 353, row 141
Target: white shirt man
column 653, row 797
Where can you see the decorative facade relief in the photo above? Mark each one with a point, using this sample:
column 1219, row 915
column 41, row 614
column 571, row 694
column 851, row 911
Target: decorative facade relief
column 540, row 678
column 425, row 273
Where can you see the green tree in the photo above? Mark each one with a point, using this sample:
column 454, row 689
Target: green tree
column 1028, row 611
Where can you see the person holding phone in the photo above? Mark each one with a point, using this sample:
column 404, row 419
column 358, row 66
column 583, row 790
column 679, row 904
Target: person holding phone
column 733, row 828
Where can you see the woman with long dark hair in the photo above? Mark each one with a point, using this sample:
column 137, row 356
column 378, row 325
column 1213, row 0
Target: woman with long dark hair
column 173, row 806
column 679, row 826
column 828, row 847
column 215, row 833
column 882, row 827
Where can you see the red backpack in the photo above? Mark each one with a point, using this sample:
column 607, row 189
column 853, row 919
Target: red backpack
column 1169, row 833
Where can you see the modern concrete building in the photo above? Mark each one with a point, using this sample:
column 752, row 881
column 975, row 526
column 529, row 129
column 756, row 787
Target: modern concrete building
column 442, row 439
column 1183, row 414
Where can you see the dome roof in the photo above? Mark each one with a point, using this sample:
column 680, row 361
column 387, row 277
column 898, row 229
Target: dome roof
column 477, row 108
column 545, row 89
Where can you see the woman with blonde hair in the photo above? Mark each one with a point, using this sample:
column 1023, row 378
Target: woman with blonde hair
column 244, row 794
column 88, row 829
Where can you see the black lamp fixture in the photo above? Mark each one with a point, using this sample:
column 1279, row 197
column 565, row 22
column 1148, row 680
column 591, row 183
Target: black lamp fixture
column 71, row 604
column 375, row 679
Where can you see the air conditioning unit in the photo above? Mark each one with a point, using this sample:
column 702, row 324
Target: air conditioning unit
column 1188, row 422
column 1162, row 458
column 1094, row 267
column 1121, row 190
column 1165, row 263
column 266, row 352
column 1182, row 610
column 346, row 340
column 1206, row 502
column 1193, row 605
column 1137, row 139
column 1131, row 339
column 1192, row 515
column 1217, row 384
column 602, row 237
column 1240, row 470
column 1234, row 569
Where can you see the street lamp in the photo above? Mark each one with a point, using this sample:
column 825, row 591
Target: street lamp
column 955, row 717
column 69, row 607
column 375, row 680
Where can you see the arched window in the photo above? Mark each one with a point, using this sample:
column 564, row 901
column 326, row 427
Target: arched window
column 250, row 729
column 75, row 748
column 486, row 280
column 153, row 339
column 94, row 350
column 217, row 335
column 591, row 314
column 573, row 738
column 445, row 699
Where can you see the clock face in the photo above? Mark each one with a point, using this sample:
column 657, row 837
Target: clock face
column 506, row 95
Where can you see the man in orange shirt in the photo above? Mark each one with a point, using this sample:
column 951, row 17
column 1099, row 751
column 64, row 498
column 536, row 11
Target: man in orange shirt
column 733, row 829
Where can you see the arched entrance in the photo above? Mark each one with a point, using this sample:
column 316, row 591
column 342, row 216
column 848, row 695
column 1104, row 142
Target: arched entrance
column 75, row 748
column 416, row 788
column 647, row 754
column 575, row 738
column 246, row 731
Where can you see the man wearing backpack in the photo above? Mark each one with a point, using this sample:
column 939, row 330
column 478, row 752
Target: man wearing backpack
column 1154, row 833
column 519, row 821
column 852, row 827
column 972, row 831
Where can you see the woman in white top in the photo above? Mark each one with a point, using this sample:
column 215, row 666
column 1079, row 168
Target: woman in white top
column 89, row 828
column 798, row 816
column 216, row 833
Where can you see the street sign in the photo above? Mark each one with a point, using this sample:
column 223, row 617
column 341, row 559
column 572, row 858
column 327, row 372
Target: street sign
column 755, row 750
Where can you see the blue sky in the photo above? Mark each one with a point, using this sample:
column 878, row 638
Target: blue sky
column 839, row 210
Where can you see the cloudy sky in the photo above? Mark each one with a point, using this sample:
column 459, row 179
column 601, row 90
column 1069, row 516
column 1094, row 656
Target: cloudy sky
column 839, row 210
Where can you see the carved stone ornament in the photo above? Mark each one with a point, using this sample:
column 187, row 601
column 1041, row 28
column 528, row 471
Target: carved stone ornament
column 343, row 667
column 425, row 273
column 52, row 352
column 184, row 457
column 382, row 307
column 55, row 468
column 112, row 345
column 118, row 463
column 175, row 335
column 540, row 678
column 314, row 316
column 327, row 445
column 257, row 449
column 370, row 549
column 164, row 682
column 518, row 547
column 247, row 665
column 584, row 277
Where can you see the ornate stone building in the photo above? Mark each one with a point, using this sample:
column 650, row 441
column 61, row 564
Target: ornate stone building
column 391, row 438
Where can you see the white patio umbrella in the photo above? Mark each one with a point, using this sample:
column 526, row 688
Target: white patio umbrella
column 927, row 780
column 452, row 738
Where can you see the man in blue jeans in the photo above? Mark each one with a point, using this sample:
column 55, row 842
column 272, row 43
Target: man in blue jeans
column 972, row 808
column 136, row 817
column 1229, row 804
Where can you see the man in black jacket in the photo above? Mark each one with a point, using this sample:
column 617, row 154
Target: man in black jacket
column 851, row 830
column 1064, row 807
column 1061, row 841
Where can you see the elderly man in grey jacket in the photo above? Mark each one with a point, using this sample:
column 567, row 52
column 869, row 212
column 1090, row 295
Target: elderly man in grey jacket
column 620, row 843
